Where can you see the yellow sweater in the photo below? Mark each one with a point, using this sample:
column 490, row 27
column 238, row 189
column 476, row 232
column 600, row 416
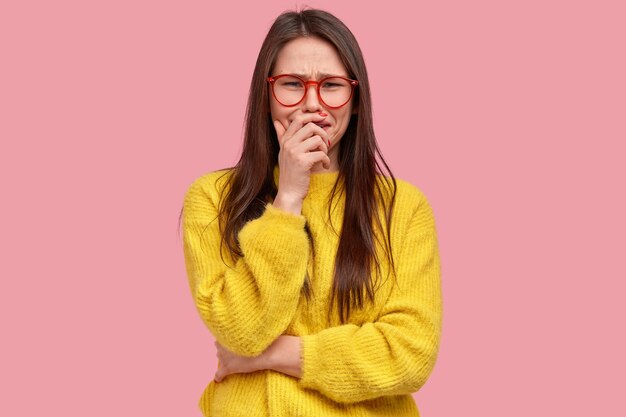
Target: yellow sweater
column 366, row 367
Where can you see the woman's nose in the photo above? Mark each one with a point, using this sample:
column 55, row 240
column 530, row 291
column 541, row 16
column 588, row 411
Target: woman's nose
column 312, row 101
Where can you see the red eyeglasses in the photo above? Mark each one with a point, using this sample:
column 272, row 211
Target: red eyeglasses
column 289, row 90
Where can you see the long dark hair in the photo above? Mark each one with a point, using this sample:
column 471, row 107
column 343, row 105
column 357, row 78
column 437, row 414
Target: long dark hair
column 251, row 184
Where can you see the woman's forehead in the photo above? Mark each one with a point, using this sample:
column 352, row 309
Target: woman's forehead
column 309, row 57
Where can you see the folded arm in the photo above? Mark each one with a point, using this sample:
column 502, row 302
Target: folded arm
column 395, row 354
column 248, row 304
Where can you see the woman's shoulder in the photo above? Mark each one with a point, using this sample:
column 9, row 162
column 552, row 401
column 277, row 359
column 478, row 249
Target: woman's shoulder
column 212, row 181
column 412, row 203
column 210, row 184
column 408, row 195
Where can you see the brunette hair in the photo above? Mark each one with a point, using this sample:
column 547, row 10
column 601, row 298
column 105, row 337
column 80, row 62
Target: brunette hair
column 251, row 185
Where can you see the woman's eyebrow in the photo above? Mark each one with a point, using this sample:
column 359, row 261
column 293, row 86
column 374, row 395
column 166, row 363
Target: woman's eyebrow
column 319, row 76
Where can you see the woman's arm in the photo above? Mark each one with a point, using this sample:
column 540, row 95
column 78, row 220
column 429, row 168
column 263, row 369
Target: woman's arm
column 391, row 356
column 283, row 356
column 249, row 303
column 395, row 354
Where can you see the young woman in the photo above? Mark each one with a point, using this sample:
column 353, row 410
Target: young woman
column 318, row 276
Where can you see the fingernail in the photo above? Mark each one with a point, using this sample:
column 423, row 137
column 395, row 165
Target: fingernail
column 323, row 114
column 328, row 145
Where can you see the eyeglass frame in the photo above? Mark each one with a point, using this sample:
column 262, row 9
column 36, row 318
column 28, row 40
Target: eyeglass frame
column 272, row 80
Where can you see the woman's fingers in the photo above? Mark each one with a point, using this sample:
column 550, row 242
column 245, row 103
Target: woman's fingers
column 308, row 131
column 231, row 363
column 318, row 156
column 313, row 143
column 303, row 127
column 300, row 151
column 301, row 119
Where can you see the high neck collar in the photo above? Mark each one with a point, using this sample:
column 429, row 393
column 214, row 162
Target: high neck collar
column 321, row 183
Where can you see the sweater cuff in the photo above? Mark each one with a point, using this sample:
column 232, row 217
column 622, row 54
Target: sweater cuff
column 310, row 358
column 289, row 219
column 275, row 228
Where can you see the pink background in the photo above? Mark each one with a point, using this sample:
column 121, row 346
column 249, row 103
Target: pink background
column 510, row 116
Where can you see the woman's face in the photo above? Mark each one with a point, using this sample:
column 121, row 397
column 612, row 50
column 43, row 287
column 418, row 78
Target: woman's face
column 310, row 58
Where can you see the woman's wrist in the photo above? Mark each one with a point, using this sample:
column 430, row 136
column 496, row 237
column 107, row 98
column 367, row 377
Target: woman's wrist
column 288, row 204
column 284, row 355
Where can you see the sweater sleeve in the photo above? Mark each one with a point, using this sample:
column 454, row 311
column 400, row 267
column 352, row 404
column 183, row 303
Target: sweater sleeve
column 249, row 303
column 395, row 354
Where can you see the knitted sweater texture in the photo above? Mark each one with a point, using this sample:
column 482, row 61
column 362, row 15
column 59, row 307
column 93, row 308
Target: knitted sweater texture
column 368, row 366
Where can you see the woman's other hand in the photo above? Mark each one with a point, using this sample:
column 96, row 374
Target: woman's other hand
column 284, row 356
column 302, row 145
column 231, row 363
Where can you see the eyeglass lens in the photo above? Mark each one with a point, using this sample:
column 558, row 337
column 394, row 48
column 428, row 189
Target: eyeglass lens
column 334, row 92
